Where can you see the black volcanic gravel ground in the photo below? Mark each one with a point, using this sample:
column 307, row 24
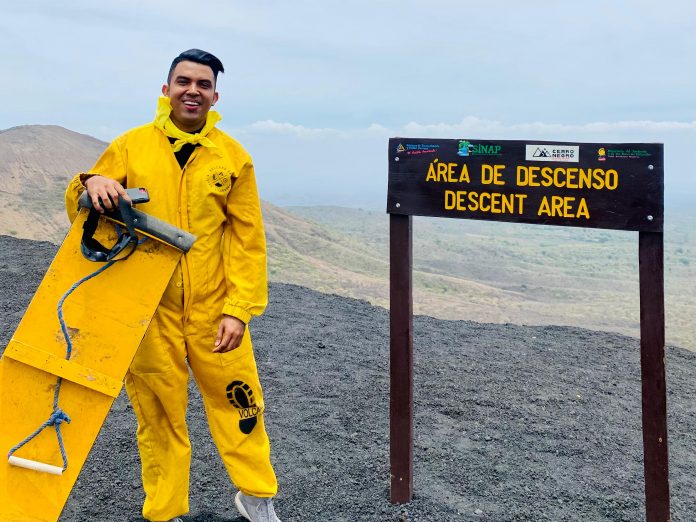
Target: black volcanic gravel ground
column 513, row 423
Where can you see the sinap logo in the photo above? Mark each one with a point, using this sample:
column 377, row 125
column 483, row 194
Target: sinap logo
column 466, row 148
column 485, row 149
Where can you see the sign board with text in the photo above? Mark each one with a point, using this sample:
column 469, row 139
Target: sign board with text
column 599, row 185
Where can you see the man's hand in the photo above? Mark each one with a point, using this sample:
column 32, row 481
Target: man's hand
column 104, row 192
column 230, row 333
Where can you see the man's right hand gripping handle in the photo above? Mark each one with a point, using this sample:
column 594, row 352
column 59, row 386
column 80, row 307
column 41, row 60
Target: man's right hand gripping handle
column 104, row 192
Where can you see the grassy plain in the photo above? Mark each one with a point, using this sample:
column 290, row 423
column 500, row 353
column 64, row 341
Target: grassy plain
column 491, row 272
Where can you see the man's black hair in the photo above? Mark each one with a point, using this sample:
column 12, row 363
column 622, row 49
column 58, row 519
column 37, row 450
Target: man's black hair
column 198, row 56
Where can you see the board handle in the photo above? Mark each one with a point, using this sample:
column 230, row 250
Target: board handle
column 35, row 465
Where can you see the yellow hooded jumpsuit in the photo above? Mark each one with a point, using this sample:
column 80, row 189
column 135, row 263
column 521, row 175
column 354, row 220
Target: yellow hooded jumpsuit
column 215, row 198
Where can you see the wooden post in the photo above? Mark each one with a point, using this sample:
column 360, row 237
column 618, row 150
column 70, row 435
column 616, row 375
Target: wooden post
column 401, row 358
column 652, row 363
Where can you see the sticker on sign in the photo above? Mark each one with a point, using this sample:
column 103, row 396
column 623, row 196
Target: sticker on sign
column 552, row 153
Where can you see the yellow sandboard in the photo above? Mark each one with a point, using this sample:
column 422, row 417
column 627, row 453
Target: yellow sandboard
column 106, row 317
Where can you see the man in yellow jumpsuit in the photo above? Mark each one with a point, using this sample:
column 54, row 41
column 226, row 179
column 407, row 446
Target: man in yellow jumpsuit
column 200, row 180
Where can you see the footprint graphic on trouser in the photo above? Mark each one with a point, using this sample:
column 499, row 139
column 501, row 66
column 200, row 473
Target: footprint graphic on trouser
column 241, row 397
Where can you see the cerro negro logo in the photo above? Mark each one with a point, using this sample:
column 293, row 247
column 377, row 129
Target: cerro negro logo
column 565, row 153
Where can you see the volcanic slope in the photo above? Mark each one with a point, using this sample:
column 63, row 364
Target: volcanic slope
column 512, row 423
column 39, row 160
column 37, row 163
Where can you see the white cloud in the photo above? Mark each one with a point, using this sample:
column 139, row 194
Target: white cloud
column 473, row 124
column 300, row 165
column 274, row 127
column 474, row 127
column 271, row 127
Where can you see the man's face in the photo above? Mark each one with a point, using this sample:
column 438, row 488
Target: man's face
column 191, row 90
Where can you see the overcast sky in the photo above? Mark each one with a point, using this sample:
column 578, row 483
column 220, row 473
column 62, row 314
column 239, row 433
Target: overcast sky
column 315, row 89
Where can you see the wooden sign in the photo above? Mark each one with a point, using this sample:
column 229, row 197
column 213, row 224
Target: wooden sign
column 599, row 185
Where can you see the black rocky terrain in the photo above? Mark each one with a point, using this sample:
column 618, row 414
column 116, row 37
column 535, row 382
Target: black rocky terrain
column 513, row 423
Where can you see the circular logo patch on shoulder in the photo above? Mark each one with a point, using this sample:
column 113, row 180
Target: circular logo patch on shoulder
column 220, row 179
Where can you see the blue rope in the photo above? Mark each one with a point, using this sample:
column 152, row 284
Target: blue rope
column 59, row 416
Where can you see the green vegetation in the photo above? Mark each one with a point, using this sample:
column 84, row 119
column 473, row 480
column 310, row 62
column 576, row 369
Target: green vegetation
column 499, row 272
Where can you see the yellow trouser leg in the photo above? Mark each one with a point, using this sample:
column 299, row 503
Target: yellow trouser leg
column 233, row 399
column 157, row 387
column 232, row 395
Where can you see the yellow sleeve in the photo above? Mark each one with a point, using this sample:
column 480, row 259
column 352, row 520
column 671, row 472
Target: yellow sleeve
column 111, row 164
column 244, row 249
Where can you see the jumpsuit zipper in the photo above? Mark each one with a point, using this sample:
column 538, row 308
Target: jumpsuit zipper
column 183, row 208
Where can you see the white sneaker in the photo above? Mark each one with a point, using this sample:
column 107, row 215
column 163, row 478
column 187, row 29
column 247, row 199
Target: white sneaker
column 255, row 509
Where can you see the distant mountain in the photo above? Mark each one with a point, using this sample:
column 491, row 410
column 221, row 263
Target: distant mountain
column 36, row 162
column 474, row 270
column 515, row 273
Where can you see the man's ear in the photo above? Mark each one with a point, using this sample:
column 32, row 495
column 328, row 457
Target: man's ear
column 165, row 89
column 215, row 98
